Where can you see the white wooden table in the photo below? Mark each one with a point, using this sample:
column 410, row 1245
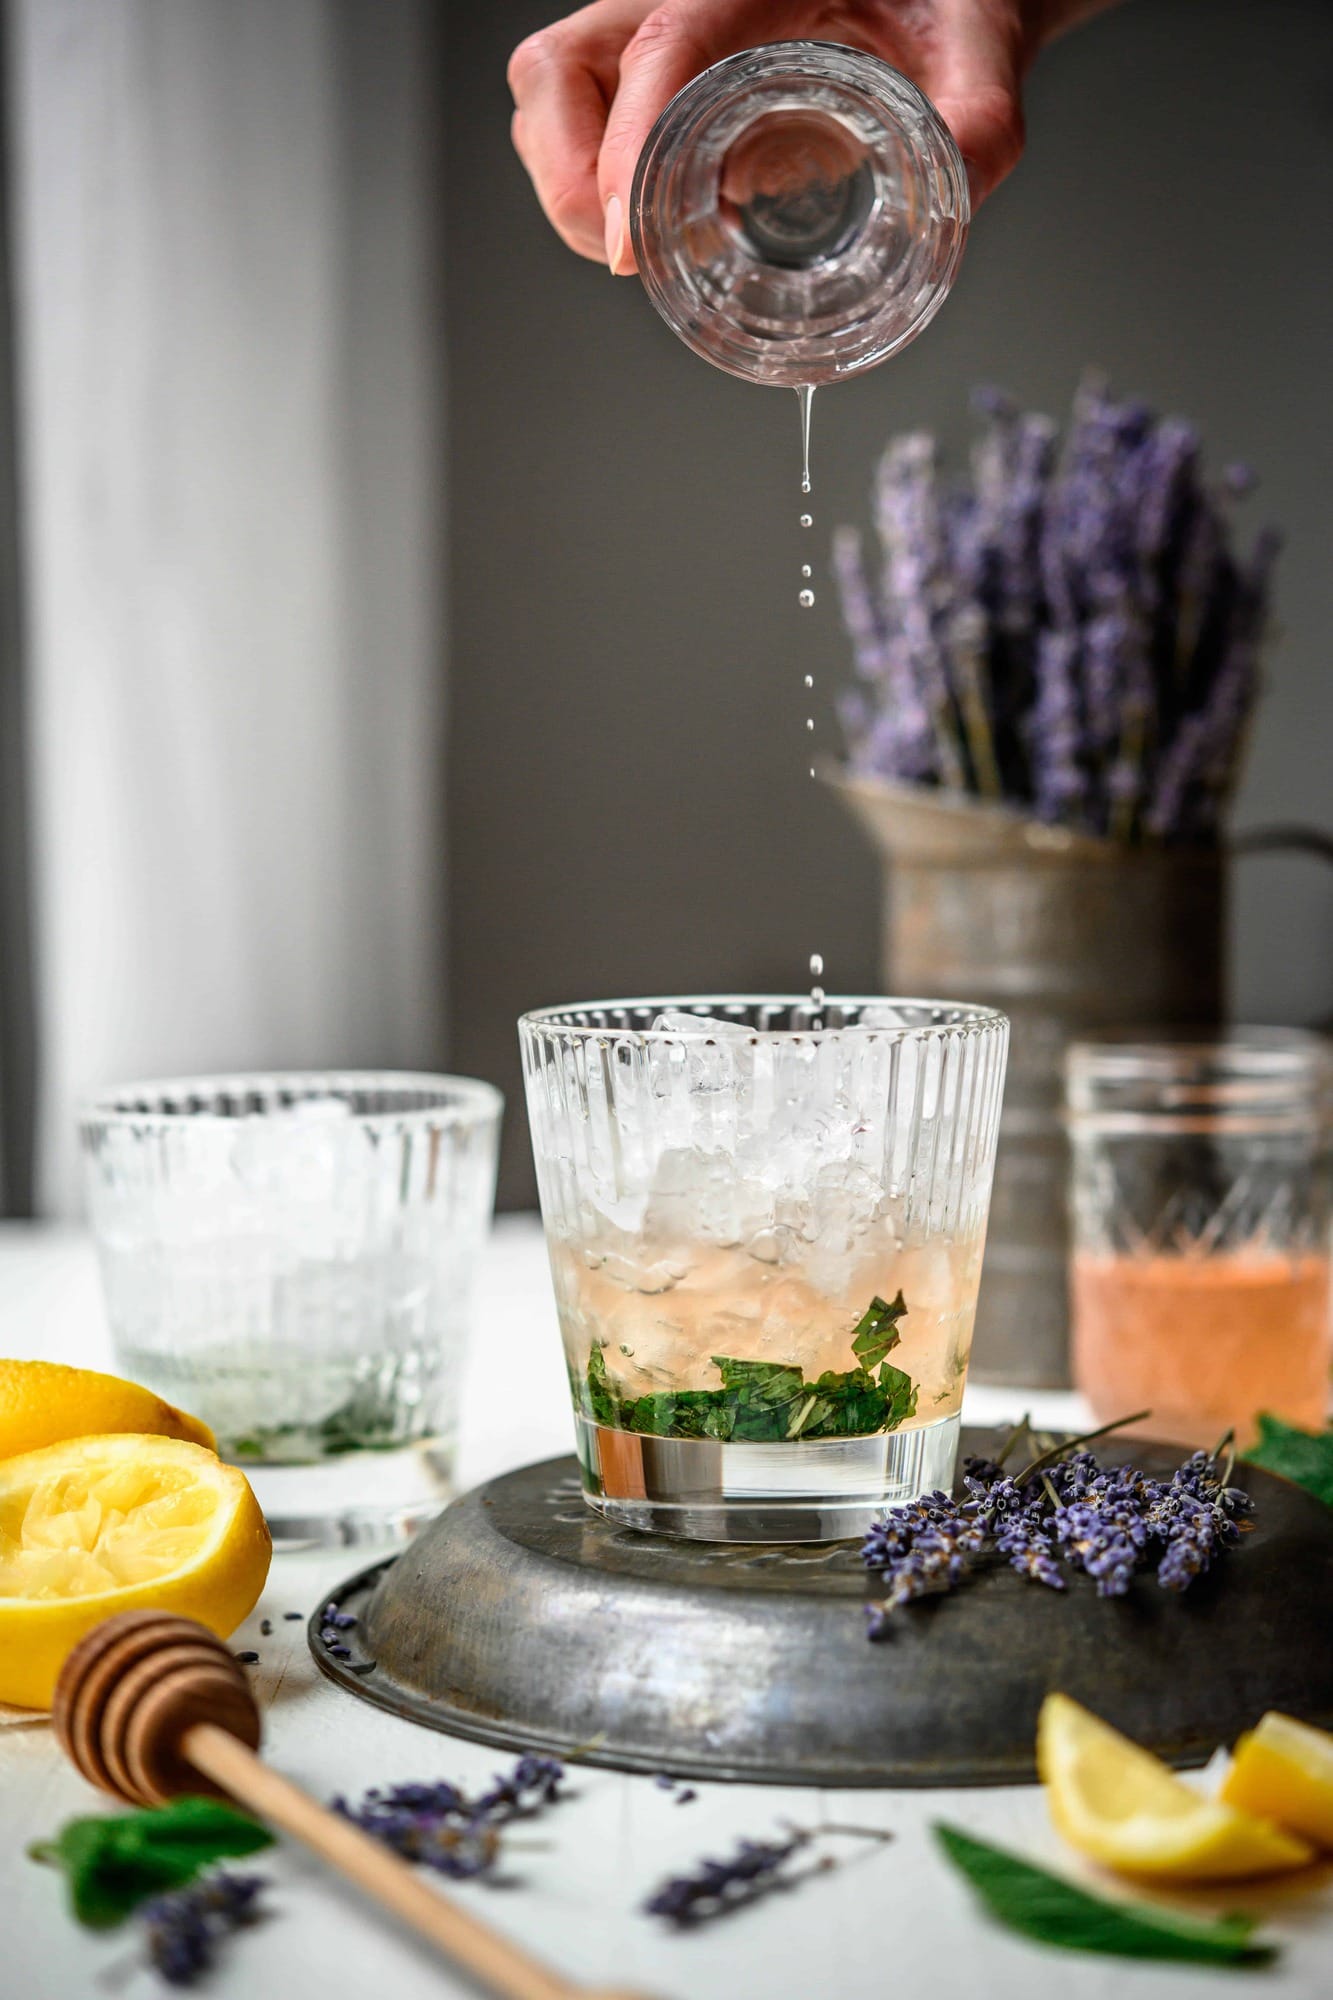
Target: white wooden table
column 893, row 1924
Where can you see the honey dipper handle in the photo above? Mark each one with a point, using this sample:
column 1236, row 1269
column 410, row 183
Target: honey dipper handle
column 487, row 1955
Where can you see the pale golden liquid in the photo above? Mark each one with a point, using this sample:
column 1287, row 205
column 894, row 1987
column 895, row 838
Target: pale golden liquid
column 711, row 1300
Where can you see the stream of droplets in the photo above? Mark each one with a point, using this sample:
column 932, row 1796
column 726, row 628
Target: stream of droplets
column 805, row 597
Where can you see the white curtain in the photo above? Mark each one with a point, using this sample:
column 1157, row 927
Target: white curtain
column 229, row 354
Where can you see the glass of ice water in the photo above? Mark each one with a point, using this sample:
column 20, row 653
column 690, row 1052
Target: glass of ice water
column 765, row 1224
column 290, row 1258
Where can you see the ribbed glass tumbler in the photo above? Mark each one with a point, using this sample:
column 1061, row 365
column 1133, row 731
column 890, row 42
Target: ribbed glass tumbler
column 765, row 1224
column 290, row 1258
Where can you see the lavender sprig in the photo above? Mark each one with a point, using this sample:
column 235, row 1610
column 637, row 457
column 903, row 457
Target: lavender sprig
column 185, row 1927
column 715, row 1886
column 1064, row 1508
column 440, row 1827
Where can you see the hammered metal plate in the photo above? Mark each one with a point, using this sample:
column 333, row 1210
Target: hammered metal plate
column 521, row 1618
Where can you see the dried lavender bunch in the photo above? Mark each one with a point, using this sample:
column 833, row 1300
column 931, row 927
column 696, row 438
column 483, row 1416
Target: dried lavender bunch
column 442, row 1828
column 1072, row 631
column 1065, row 1508
column 185, row 1927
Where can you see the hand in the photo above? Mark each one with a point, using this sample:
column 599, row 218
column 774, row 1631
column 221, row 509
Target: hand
column 589, row 88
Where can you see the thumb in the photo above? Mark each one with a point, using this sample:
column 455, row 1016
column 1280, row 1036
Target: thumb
column 672, row 46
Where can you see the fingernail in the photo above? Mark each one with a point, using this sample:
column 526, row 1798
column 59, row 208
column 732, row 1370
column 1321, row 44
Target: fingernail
column 615, row 231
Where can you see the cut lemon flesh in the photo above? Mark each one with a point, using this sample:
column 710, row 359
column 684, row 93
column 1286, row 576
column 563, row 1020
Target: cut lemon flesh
column 96, row 1525
column 1120, row 1805
column 1283, row 1770
column 42, row 1402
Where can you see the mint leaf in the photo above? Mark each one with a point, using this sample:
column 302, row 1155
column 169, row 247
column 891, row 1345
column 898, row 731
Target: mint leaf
column 768, row 1402
column 1304, row 1457
column 876, row 1332
column 1045, row 1907
column 115, row 1861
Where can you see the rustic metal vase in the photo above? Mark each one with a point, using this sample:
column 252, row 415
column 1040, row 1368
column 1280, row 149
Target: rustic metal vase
column 1070, row 936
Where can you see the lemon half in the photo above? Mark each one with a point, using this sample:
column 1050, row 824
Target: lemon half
column 1283, row 1770
column 97, row 1525
column 1124, row 1808
column 42, row 1402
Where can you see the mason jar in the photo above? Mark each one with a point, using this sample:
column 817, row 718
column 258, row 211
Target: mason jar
column 1200, row 1230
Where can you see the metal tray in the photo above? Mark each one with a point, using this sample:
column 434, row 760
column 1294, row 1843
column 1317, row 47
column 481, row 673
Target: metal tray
column 521, row 1618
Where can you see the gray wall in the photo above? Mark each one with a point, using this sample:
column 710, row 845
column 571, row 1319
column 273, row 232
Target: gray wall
column 628, row 805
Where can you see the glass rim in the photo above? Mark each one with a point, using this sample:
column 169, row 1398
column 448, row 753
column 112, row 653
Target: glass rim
column 475, row 1101
column 971, row 1017
column 1275, row 1053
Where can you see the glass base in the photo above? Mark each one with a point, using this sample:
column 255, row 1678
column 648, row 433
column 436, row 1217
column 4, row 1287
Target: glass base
column 827, row 1491
column 361, row 1499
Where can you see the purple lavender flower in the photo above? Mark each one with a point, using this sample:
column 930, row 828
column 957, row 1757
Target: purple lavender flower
column 440, row 1827
column 716, row 1886
column 185, row 1927
column 1110, row 1522
column 1079, row 637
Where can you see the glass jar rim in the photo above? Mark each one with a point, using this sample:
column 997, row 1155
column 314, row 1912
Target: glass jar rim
column 467, row 1100
column 959, row 1017
column 1252, row 1078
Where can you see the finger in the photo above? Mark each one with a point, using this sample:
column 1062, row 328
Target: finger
column 557, row 131
column 673, row 44
column 973, row 77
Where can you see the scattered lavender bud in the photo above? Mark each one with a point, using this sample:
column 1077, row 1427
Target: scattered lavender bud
column 266, row 1628
column 685, row 1796
column 290, row 1616
column 340, row 1653
column 248, row 1659
column 185, row 1926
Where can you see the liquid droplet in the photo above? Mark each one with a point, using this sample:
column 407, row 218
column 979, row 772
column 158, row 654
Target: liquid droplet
column 812, row 770
column 816, row 965
column 805, row 599
column 805, row 569
column 807, row 520
column 805, row 396
column 809, row 680
column 809, row 721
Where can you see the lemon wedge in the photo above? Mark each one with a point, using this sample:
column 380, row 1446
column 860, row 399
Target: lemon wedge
column 1283, row 1770
column 1124, row 1808
column 42, row 1402
column 96, row 1525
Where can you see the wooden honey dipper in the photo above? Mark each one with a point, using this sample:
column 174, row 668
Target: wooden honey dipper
column 149, row 1705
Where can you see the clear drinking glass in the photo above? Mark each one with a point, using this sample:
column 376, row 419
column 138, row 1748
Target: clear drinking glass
column 798, row 213
column 290, row 1258
column 1199, row 1277
column 736, row 1192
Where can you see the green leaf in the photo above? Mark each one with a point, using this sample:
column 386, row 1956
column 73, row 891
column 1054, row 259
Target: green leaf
column 876, row 1332
column 115, row 1861
column 1304, row 1457
column 767, row 1402
column 1045, row 1907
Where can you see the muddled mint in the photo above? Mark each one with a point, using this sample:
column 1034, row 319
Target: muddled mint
column 771, row 1402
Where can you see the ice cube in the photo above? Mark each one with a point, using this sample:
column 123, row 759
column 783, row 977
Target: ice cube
column 675, row 1021
column 885, row 1015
